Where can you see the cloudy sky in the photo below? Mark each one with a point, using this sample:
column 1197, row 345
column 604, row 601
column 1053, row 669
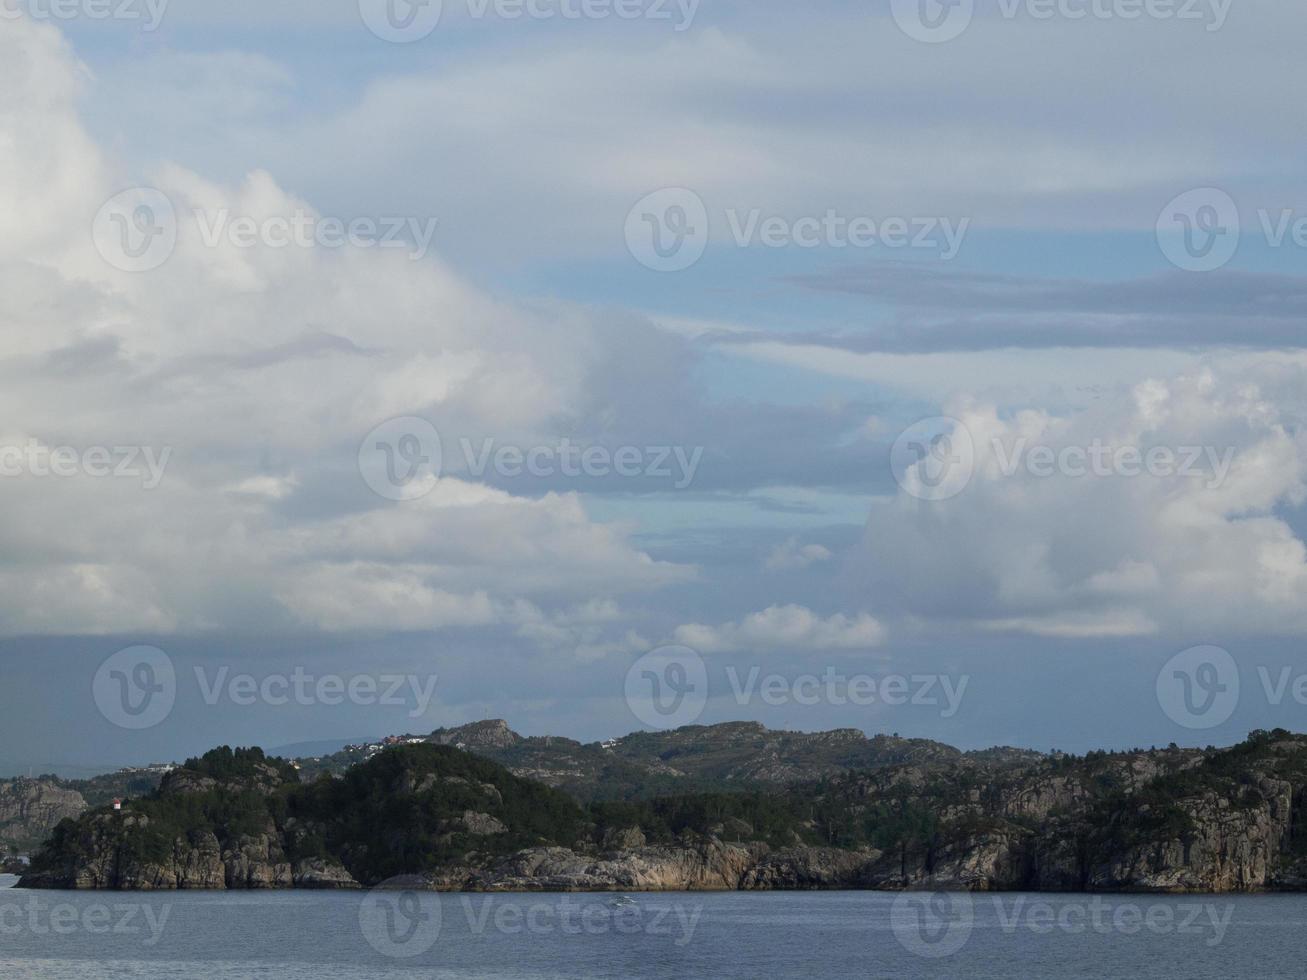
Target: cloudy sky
column 823, row 339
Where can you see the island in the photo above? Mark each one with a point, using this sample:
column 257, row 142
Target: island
column 884, row 815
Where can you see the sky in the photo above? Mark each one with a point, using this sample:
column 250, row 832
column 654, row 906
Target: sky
column 371, row 367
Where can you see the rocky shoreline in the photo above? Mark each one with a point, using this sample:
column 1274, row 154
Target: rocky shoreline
column 712, row 865
column 1179, row 821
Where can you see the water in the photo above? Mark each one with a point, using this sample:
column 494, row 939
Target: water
column 301, row 935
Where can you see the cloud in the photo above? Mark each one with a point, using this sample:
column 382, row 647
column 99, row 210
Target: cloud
column 951, row 309
column 259, row 370
column 1198, row 545
column 791, row 555
column 785, row 627
column 706, row 109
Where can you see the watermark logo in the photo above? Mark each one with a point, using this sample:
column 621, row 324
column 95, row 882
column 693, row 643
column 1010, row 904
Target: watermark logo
column 938, row 925
column 151, row 12
column 667, row 231
column 934, row 459
column 941, row 235
column 839, row 690
column 401, row 21
column 933, row 21
column 1105, row 917
column 305, row 229
column 668, row 688
column 136, row 230
column 403, row 459
column 677, row 464
column 400, row 924
column 302, row 688
column 1198, row 688
column 1199, row 230
column 136, row 688
column 33, row 916
column 407, row 924
column 36, row 459
column 932, row 925
column 400, row 460
column 406, row 21
column 938, row 21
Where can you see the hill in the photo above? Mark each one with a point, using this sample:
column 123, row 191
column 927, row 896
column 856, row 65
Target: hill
column 433, row 816
column 646, row 765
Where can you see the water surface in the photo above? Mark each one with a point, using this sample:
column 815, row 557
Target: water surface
column 301, row 935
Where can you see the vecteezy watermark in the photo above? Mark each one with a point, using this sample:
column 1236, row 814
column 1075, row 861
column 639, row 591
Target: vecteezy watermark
column 935, row 925
column 938, row 21
column 401, row 21
column 678, row 464
column 840, row 690
column 402, row 459
column 400, row 924
column 935, row 459
column 1207, row 463
column 1201, row 230
column 1199, row 688
column 407, row 21
column 138, row 230
column 151, row 12
column 406, row 924
column 34, row 458
column 33, row 916
column 304, row 229
column 668, row 230
column 304, row 689
column 137, row 688
column 668, row 688
column 941, row 235
column 932, row 925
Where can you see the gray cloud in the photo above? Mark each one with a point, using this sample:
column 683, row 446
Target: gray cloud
column 936, row 308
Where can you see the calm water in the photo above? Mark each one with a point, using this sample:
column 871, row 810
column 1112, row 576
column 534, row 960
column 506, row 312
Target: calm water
column 233, row 936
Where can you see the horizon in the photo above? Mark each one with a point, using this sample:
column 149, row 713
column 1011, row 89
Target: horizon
column 77, row 773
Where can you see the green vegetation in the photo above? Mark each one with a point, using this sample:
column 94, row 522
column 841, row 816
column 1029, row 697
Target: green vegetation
column 403, row 812
column 419, row 808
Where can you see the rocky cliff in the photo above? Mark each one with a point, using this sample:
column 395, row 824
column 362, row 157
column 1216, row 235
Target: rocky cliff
column 31, row 808
column 1171, row 820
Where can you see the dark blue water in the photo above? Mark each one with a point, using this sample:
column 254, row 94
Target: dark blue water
column 293, row 935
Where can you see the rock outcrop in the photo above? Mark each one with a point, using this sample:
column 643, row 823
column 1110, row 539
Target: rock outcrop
column 31, row 808
column 1170, row 820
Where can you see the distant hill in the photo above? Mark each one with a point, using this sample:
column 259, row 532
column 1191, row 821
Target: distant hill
column 713, row 758
column 309, row 750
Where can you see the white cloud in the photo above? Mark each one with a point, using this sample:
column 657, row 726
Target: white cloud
column 791, row 555
column 1068, row 553
column 261, row 369
column 785, row 627
column 707, row 109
